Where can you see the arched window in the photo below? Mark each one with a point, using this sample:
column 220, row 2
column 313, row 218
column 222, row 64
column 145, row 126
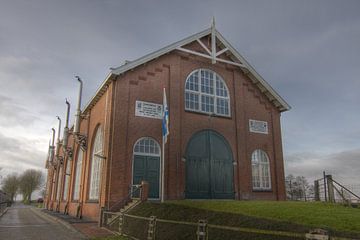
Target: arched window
column 96, row 164
column 78, row 167
column 147, row 146
column 58, row 190
column 206, row 92
column 67, row 178
column 260, row 170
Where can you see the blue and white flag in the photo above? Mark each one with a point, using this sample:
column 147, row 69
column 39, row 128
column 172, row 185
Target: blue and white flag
column 165, row 119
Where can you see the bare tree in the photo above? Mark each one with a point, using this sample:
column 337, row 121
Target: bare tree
column 30, row 181
column 10, row 185
column 298, row 188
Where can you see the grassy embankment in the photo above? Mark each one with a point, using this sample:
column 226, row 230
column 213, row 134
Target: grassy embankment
column 297, row 217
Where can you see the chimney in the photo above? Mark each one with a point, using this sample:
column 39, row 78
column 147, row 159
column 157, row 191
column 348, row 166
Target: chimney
column 66, row 128
column 51, row 157
column 78, row 109
column 58, row 137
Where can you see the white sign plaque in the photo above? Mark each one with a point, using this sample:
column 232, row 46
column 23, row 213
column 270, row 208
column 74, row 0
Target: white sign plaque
column 258, row 126
column 147, row 109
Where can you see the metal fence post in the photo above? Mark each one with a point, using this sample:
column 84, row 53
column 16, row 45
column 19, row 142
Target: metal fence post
column 202, row 230
column 325, row 188
column 152, row 228
column 316, row 190
column 121, row 222
column 330, row 188
column 101, row 216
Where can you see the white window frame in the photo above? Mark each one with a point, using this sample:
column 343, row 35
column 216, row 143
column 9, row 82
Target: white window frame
column 261, row 162
column 66, row 182
column 78, row 172
column 58, row 190
column 96, row 166
column 199, row 93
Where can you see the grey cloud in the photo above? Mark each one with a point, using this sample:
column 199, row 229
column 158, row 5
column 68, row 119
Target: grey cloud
column 19, row 154
column 344, row 165
column 14, row 114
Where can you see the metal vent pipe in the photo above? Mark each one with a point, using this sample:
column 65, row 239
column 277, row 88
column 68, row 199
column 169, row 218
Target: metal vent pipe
column 78, row 108
column 66, row 128
column 52, row 146
column 58, row 137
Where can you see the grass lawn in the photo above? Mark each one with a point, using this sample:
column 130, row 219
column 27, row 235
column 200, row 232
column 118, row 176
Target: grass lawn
column 316, row 214
column 297, row 217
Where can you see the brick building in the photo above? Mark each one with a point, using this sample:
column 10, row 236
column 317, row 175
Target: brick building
column 224, row 123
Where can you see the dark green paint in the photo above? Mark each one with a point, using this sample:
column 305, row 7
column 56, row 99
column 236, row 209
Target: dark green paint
column 209, row 167
column 147, row 168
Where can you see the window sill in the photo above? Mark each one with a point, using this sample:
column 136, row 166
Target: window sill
column 92, row 201
column 262, row 190
column 75, row 201
column 208, row 114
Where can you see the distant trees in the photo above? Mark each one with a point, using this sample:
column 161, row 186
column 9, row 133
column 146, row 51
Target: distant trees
column 30, row 180
column 25, row 184
column 10, row 186
column 298, row 188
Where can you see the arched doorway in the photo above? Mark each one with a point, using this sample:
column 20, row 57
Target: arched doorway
column 146, row 164
column 209, row 167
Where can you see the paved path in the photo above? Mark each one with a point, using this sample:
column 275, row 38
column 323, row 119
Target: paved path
column 25, row 222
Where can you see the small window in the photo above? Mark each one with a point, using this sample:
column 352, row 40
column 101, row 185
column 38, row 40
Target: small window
column 260, row 170
column 206, row 92
column 147, row 146
column 96, row 165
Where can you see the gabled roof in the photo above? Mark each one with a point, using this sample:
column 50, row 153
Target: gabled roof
column 236, row 57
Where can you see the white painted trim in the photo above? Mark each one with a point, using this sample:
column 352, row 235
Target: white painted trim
column 222, row 51
column 203, row 45
column 210, row 57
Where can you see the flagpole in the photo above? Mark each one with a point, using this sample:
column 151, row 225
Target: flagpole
column 163, row 170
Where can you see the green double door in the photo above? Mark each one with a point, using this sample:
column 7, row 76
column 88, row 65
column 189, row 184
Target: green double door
column 209, row 167
column 147, row 168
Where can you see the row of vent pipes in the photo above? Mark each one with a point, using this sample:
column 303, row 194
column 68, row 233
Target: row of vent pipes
column 53, row 153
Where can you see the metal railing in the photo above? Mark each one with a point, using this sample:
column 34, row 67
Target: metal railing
column 4, row 205
column 151, row 228
column 110, row 217
column 327, row 189
column 121, row 203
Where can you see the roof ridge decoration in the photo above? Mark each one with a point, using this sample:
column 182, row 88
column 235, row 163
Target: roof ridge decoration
column 236, row 59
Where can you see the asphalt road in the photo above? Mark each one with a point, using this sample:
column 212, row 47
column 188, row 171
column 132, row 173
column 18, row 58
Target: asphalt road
column 25, row 222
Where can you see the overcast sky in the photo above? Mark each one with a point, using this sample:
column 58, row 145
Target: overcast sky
column 307, row 50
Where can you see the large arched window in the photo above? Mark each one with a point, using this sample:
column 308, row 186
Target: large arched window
column 67, row 178
column 78, row 167
column 206, row 92
column 260, row 170
column 96, row 164
column 58, row 190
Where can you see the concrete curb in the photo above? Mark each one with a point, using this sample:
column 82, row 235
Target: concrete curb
column 46, row 216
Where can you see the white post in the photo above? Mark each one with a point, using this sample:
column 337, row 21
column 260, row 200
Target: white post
column 213, row 41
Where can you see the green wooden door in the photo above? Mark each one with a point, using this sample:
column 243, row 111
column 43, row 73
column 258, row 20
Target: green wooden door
column 147, row 168
column 209, row 167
